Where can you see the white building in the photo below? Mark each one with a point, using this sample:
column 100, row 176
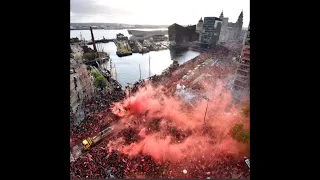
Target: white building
column 230, row 32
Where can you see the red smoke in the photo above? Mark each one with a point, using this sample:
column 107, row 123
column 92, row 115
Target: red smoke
column 190, row 139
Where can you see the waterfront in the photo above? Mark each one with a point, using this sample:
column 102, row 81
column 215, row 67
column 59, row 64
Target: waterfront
column 128, row 67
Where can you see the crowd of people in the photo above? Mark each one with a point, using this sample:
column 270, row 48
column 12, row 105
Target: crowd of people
column 103, row 161
column 97, row 116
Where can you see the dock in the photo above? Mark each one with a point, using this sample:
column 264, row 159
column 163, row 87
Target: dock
column 101, row 41
column 123, row 48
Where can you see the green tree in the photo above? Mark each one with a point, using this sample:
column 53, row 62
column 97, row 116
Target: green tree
column 95, row 74
column 98, row 80
column 90, row 56
column 240, row 134
column 246, row 110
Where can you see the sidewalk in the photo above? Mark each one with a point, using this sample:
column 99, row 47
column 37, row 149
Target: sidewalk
column 80, row 117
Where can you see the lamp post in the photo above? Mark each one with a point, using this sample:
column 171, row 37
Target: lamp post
column 129, row 89
column 207, row 99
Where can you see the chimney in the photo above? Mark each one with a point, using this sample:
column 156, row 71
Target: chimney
column 93, row 42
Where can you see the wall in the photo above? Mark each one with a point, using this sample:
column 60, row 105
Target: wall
column 181, row 34
column 230, row 32
column 83, row 92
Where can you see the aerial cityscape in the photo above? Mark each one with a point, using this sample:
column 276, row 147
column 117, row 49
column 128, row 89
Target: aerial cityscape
column 159, row 94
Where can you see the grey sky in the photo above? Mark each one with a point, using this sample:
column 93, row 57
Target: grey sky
column 156, row 12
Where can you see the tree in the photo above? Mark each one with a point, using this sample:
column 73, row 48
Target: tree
column 95, row 74
column 246, row 110
column 100, row 81
column 90, row 56
column 240, row 134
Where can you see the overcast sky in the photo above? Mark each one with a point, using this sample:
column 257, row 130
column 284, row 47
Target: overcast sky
column 156, row 12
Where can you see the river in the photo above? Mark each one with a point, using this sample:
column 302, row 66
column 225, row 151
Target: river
column 128, row 67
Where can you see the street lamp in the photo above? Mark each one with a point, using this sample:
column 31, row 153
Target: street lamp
column 207, row 99
column 129, row 88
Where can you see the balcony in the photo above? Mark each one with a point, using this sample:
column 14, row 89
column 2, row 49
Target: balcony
column 240, row 84
column 246, row 56
column 245, row 62
column 244, row 67
column 244, row 70
column 238, row 88
column 242, row 73
column 242, row 79
column 246, row 50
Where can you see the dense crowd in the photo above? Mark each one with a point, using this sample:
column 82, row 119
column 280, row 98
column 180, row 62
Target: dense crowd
column 97, row 116
column 103, row 161
column 100, row 163
column 173, row 75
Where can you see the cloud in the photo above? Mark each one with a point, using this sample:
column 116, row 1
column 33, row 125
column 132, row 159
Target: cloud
column 155, row 12
column 91, row 10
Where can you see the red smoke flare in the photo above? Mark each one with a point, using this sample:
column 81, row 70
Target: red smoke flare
column 203, row 143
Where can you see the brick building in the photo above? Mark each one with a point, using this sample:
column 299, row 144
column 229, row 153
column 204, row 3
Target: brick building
column 241, row 86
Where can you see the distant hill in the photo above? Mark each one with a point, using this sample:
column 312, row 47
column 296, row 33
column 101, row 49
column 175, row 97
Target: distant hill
column 116, row 25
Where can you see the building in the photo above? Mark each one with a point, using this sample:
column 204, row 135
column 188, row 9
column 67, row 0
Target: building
column 242, row 34
column 241, row 86
column 199, row 28
column 210, row 32
column 179, row 35
column 230, row 32
column 81, row 90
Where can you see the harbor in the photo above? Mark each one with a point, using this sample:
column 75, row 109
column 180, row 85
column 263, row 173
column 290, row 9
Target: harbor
column 142, row 42
column 128, row 66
